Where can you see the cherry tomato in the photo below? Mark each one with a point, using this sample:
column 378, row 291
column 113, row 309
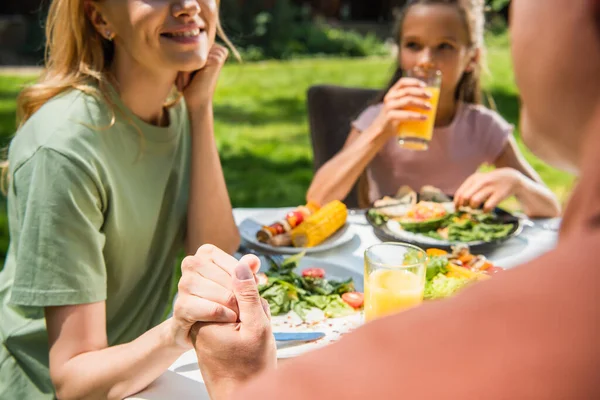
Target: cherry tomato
column 493, row 270
column 262, row 278
column 354, row 299
column 313, row 273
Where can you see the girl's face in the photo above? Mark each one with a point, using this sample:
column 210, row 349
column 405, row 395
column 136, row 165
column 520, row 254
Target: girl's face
column 556, row 53
column 435, row 36
column 173, row 35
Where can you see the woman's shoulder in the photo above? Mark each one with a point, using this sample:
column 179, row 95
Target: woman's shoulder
column 65, row 124
column 69, row 113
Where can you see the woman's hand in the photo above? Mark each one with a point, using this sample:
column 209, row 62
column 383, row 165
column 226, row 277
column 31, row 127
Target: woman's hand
column 231, row 353
column 489, row 189
column 205, row 292
column 406, row 93
column 199, row 87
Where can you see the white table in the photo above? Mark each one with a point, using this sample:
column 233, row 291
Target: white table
column 183, row 380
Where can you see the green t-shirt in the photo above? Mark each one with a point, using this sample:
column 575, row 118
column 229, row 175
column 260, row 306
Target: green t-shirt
column 97, row 213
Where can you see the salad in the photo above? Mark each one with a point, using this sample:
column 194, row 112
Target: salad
column 287, row 291
column 442, row 222
column 448, row 273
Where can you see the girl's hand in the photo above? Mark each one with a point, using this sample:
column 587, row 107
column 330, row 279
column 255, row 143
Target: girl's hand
column 406, row 93
column 199, row 87
column 205, row 292
column 489, row 189
column 230, row 354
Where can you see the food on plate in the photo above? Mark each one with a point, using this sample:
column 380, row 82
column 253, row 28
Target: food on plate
column 313, row 273
column 448, row 273
column 287, row 291
column 278, row 233
column 283, row 240
column 404, row 195
column 423, row 217
column 440, row 220
column 430, row 193
column 407, row 196
column 354, row 299
column 321, row 225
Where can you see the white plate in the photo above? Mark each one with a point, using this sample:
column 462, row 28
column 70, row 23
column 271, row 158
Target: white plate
column 250, row 226
column 334, row 328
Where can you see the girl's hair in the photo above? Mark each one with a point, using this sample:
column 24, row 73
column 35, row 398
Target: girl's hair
column 472, row 12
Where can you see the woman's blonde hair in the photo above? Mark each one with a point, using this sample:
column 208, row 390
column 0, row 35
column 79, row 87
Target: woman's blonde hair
column 76, row 57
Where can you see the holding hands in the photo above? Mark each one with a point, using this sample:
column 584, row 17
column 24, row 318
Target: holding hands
column 221, row 314
column 229, row 354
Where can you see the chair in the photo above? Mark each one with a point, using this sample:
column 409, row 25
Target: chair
column 331, row 110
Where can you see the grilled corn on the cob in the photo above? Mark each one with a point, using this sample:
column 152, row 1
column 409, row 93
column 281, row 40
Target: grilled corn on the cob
column 320, row 225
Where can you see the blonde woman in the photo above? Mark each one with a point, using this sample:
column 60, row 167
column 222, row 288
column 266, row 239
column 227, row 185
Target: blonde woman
column 110, row 175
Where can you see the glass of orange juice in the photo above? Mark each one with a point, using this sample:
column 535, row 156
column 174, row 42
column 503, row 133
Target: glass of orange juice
column 416, row 135
column 394, row 278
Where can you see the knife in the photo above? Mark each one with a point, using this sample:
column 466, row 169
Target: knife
column 297, row 336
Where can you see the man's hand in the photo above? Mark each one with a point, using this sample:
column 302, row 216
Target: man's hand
column 205, row 292
column 231, row 353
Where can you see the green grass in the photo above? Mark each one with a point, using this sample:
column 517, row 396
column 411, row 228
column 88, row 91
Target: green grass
column 261, row 122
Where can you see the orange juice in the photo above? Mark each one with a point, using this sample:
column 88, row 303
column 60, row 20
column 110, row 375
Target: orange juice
column 388, row 291
column 416, row 135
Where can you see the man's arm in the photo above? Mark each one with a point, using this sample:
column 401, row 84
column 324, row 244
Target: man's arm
column 528, row 333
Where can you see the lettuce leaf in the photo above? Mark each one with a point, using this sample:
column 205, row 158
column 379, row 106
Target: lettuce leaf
column 435, row 266
column 336, row 307
column 441, row 286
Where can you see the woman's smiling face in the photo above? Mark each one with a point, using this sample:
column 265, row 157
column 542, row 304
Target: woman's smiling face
column 173, row 35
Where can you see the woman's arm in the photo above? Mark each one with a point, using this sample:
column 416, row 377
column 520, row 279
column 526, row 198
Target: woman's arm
column 334, row 180
column 83, row 367
column 210, row 217
column 535, row 197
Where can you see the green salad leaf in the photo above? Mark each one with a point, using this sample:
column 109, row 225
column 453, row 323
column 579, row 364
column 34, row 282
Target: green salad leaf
column 466, row 227
column 435, row 266
column 317, row 301
column 317, row 285
column 287, row 291
column 301, row 308
column 377, row 217
column 413, row 257
column 336, row 307
column 440, row 286
column 343, row 286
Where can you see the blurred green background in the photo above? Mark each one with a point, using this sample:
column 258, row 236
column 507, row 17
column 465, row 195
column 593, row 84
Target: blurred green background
column 260, row 107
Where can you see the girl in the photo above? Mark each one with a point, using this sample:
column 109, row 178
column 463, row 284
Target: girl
column 446, row 35
column 108, row 181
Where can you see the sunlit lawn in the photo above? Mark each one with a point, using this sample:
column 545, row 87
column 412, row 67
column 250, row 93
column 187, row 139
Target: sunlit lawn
column 262, row 129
